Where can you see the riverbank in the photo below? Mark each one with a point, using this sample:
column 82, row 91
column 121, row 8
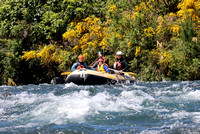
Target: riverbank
column 41, row 39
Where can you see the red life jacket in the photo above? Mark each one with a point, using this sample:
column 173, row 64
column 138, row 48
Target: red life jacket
column 118, row 65
column 79, row 65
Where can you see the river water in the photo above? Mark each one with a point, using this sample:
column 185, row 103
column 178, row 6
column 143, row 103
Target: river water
column 152, row 107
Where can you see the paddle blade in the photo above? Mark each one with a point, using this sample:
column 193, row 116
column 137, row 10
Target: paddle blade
column 65, row 73
column 131, row 73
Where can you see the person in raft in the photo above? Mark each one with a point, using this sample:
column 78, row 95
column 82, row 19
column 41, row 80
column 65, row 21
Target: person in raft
column 120, row 65
column 102, row 67
column 80, row 64
column 100, row 56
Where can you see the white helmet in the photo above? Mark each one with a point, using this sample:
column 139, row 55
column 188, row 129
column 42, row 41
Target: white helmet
column 119, row 53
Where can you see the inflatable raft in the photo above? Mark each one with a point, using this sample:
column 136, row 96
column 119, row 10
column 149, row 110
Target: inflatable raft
column 90, row 77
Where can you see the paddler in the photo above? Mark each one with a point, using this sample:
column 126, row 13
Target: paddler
column 100, row 56
column 120, row 65
column 80, row 64
column 102, row 67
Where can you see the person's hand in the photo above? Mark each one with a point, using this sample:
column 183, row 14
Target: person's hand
column 120, row 71
column 104, row 58
column 91, row 66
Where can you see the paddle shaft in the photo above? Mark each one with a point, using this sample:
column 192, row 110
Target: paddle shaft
column 94, row 61
column 115, row 70
column 130, row 73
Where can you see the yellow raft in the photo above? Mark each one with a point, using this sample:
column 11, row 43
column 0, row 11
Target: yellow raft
column 90, row 77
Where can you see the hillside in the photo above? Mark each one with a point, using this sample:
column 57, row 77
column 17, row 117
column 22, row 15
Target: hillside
column 160, row 39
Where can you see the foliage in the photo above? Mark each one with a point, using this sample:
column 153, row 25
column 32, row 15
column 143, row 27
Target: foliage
column 189, row 8
column 87, row 35
column 34, row 23
column 41, row 39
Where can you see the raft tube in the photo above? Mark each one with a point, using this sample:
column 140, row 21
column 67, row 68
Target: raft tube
column 90, row 77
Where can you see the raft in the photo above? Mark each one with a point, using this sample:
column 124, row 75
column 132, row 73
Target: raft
column 90, row 77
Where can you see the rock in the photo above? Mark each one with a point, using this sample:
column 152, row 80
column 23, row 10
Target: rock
column 57, row 80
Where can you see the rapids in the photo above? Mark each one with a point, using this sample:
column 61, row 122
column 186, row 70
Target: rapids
column 151, row 107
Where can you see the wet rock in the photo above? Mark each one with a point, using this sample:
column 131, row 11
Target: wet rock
column 57, row 80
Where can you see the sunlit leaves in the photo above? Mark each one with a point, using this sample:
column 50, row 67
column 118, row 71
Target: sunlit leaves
column 47, row 54
column 73, row 27
column 88, row 33
column 189, row 8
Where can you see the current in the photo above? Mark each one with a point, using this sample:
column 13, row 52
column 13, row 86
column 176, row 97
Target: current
column 142, row 108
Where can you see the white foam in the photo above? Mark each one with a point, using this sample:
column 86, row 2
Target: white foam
column 196, row 117
column 5, row 86
column 193, row 95
column 75, row 106
column 187, row 96
column 152, row 131
column 6, row 129
column 58, row 109
column 22, row 98
column 1, row 111
column 69, row 85
column 44, row 84
column 74, row 86
column 175, row 85
column 179, row 115
column 164, row 80
column 138, row 86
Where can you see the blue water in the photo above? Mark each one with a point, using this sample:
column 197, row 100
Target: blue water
column 152, row 107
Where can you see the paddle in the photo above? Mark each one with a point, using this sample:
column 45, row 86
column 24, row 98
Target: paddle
column 129, row 73
column 65, row 73
column 94, row 61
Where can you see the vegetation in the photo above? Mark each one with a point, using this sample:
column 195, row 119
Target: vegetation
column 160, row 39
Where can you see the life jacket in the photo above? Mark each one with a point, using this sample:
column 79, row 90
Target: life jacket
column 80, row 66
column 118, row 65
column 101, row 68
column 106, row 65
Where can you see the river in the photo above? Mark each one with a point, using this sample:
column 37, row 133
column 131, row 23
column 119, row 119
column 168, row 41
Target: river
column 150, row 107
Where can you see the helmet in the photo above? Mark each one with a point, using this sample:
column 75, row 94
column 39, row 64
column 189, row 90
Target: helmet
column 119, row 53
column 100, row 53
column 100, row 60
column 81, row 57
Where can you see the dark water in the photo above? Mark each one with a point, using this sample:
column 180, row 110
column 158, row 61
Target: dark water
column 153, row 107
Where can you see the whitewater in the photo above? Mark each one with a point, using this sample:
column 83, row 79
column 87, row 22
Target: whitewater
column 143, row 108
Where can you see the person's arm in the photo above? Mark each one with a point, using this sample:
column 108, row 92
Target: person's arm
column 86, row 66
column 95, row 64
column 74, row 67
column 106, row 69
column 125, row 64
